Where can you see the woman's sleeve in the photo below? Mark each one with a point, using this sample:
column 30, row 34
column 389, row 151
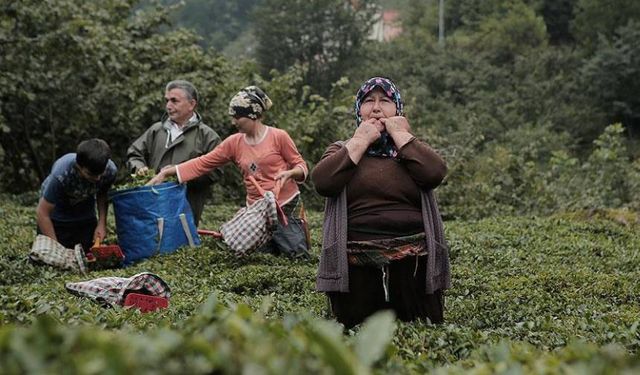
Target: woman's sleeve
column 334, row 171
column 291, row 154
column 200, row 166
column 425, row 166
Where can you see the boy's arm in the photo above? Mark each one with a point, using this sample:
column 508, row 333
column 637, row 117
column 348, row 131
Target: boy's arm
column 43, row 218
column 103, row 207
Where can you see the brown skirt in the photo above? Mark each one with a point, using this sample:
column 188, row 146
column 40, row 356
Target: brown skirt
column 407, row 296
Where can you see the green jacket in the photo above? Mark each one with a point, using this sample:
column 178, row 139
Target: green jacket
column 152, row 150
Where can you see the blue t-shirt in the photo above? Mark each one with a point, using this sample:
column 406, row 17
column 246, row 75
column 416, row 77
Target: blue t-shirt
column 73, row 196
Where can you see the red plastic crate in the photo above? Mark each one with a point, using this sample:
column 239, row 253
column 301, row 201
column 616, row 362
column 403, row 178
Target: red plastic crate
column 104, row 256
column 145, row 303
column 107, row 251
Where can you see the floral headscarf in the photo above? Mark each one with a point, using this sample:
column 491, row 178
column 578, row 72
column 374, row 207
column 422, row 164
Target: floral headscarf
column 383, row 147
column 249, row 102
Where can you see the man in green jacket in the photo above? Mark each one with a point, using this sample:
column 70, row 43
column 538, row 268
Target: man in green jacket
column 181, row 135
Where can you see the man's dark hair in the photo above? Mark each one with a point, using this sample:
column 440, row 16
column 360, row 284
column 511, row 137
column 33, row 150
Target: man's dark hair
column 93, row 154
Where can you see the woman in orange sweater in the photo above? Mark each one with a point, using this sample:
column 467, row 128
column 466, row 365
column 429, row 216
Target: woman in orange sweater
column 267, row 154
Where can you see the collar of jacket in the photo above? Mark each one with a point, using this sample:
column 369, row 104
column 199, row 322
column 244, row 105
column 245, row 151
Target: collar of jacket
column 166, row 122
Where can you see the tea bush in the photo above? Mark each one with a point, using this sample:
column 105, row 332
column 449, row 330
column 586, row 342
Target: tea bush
column 536, row 175
column 530, row 295
column 227, row 340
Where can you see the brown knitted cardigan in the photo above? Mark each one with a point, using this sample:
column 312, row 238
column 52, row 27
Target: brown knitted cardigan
column 333, row 270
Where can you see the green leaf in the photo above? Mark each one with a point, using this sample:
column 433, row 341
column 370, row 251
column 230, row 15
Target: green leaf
column 326, row 336
column 374, row 336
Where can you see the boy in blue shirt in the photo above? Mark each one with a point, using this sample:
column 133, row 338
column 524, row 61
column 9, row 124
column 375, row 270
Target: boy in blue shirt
column 67, row 208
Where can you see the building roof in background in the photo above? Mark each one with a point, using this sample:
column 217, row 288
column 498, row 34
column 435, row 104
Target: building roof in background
column 387, row 26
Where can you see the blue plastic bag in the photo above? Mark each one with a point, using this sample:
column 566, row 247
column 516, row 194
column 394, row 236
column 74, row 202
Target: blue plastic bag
column 153, row 220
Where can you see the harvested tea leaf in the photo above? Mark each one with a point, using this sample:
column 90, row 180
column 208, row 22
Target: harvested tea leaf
column 140, row 179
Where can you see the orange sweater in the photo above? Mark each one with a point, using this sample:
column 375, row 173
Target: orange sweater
column 276, row 152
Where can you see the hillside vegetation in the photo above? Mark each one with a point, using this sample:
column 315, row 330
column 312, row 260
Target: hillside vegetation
column 533, row 103
column 557, row 294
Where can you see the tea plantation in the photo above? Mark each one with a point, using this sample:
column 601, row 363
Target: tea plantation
column 530, row 295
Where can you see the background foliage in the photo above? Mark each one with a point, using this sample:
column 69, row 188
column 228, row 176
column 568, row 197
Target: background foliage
column 519, row 93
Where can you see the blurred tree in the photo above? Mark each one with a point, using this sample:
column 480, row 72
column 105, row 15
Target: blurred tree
column 324, row 35
column 558, row 15
column 73, row 70
column 598, row 17
column 420, row 16
column 469, row 13
column 218, row 22
column 611, row 77
column 420, row 19
column 512, row 30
